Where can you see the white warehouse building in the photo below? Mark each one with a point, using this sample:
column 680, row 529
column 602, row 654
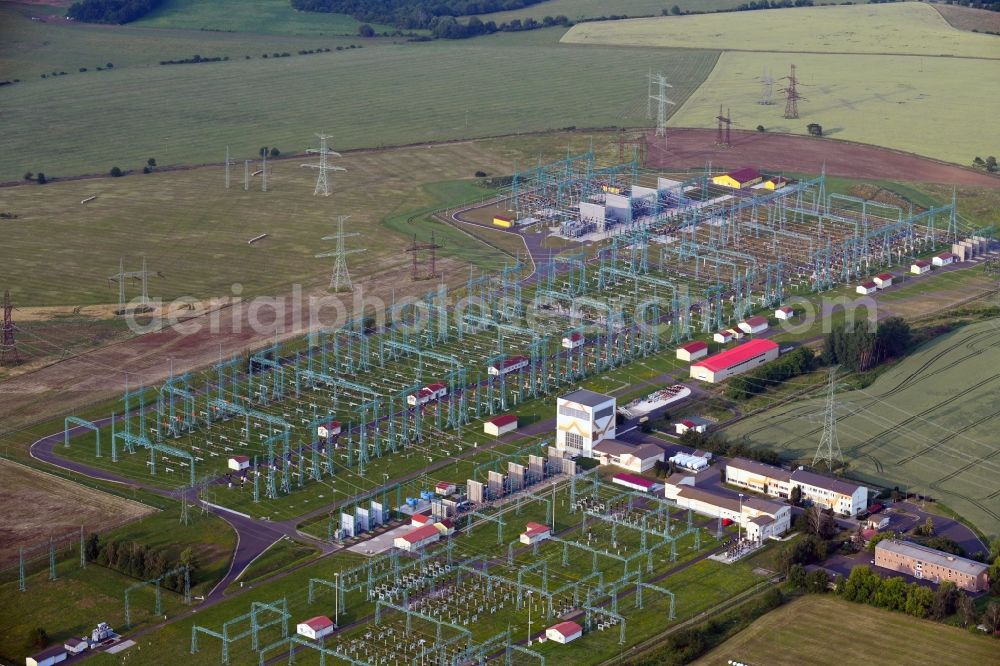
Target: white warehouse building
column 583, row 420
column 761, row 519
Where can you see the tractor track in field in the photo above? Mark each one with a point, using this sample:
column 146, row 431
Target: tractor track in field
column 918, row 375
column 952, row 435
column 919, row 415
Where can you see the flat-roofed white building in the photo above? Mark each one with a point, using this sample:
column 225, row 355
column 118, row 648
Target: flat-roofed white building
column 761, row 519
column 842, row 496
column 583, row 420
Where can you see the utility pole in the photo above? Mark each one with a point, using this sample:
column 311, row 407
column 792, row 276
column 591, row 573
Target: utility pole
column 8, row 344
column 229, row 163
column 340, row 280
column 263, row 172
column 246, row 175
column 322, row 167
column 792, row 95
column 829, row 446
column 661, row 103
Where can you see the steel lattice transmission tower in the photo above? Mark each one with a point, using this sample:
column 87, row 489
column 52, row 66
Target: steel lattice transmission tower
column 431, row 248
column 722, row 134
column 660, row 97
column 229, row 163
column 8, row 344
column 142, row 276
column 322, row 182
column 766, row 89
column 828, row 450
column 792, row 95
column 340, row 280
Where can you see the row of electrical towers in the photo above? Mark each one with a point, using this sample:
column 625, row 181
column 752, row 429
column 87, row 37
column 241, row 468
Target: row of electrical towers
column 323, row 168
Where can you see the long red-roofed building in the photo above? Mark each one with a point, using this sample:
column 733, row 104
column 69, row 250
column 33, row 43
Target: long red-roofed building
column 742, row 358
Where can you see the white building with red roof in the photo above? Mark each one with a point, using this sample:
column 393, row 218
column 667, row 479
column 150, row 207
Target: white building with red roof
column 723, row 337
column 920, row 266
column 535, row 532
column 633, row 482
column 239, row 463
column 445, row 488
column 419, row 519
column 692, row 351
column 753, row 325
column 315, row 628
column 573, row 341
column 564, row 632
column 865, row 288
column 735, row 361
column 943, row 259
column 682, row 427
column 500, row 425
column 509, row 365
column 417, row 538
column 427, row 394
column 328, row 429
column 883, row 280
column 784, row 312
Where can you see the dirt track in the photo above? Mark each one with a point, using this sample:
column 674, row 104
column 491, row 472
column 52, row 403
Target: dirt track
column 801, row 154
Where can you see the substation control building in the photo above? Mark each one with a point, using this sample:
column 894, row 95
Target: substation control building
column 842, row 496
column 583, row 420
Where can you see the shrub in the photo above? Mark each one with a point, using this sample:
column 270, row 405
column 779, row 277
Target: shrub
column 116, row 172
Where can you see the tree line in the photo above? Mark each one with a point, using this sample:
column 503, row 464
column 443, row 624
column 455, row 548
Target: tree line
column 111, row 11
column 139, row 561
column 862, row 347
column 410, row 14
column 796, row 363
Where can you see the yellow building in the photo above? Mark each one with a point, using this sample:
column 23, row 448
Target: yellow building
column 775, row 183
column 502, row 221
column 738, row 179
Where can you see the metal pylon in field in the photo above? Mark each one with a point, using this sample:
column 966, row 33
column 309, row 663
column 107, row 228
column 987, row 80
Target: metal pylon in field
column 322, row 167
column 828, row 450
column 341, row 278
column 660, row 97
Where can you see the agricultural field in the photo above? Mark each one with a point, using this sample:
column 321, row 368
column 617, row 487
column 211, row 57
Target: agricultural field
column 907, row 28
column 262, row 17
column 356, row 95
column 925, row 425
column 804, row 630
column 922, row 105
column 58, row 507
column 968, row 18
column 32, row 48
column 583, row 9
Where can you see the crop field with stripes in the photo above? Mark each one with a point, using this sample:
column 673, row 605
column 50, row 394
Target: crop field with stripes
column 927, row 425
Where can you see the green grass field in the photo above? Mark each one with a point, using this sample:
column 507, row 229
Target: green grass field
column 32, row 48
column 827, row 631
column 926, row 424
column 258, row 16
column 366, row 97
column 887, row 29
